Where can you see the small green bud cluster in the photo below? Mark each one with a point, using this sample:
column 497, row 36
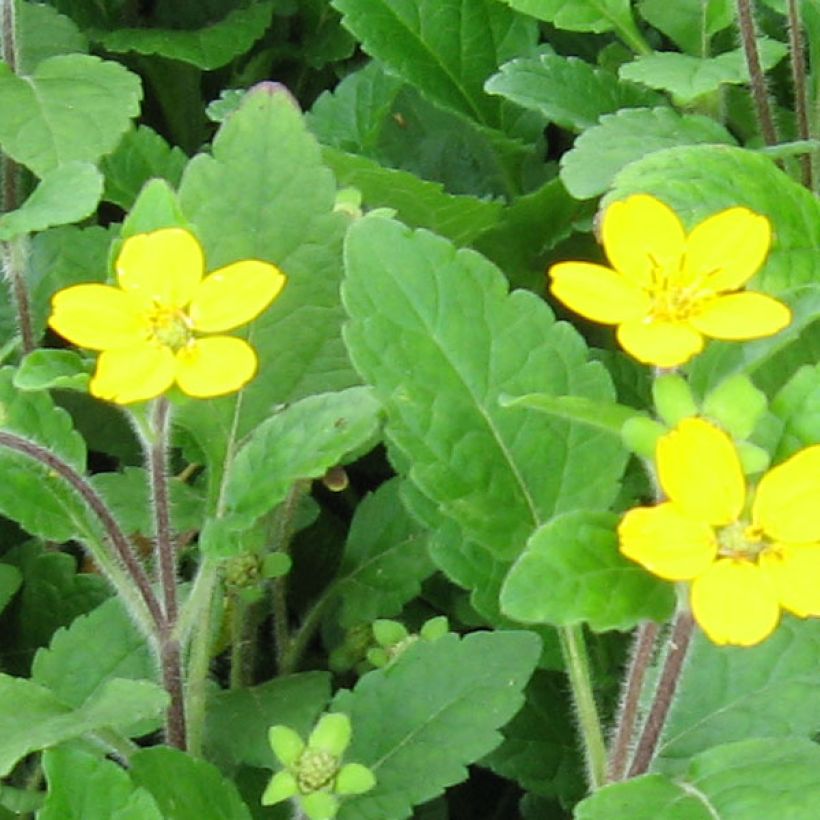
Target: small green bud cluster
column 314, row 774
column 735, row 405
column 393, row 639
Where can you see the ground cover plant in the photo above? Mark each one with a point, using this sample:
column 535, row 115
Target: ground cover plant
column 410, row 408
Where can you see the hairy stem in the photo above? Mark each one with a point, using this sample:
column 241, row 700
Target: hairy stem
column 15, row 256
column 667, row 685
column 242, row 642
column 577, row 663
column 172, row 680
column 760, row 95
column 642, row 652
column 801, row 107
column 119, row 542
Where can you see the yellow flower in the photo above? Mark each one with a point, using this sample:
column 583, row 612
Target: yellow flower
column 743, row 568
column 665, row 290
column 149, row 327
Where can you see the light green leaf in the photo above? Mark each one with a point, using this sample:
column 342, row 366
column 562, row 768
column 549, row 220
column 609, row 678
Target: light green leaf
column 688, row 78
column 46, row 368
column 141, row 155
column 434, row 328
column 446, row 48
column 186, row 788
column 82, row 786
column 572, row 572
column 302, row 441
column 43, row 32
column 418, row 203
column 32, row 718
column 208, row 48
column 237, row 721
column 10, row 580
column 275, row 203
column 567, row 91
column 797, row 406
column 729, row 693
column 620, row 139
column 760, row 777
column 385, row 559
column 689, row 23
column 127, row 496
column 444, row 689
column 608, row 416
column 96, row 647
column 74, row 107
column 698, row 181
column 67, row 193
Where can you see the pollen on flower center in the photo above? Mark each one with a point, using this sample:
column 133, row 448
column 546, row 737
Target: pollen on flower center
column 170, row 327
column 741, row 540
column 670, row 300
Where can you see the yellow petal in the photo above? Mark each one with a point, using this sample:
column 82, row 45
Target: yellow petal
column 641, row 234
column 215, row 366
column 233, row 295
column 795, row 571
column 668, row 543
column 738, row 316
column 735, row 602
column 133, row 374
column 665, row 344
column 787, row 502
column 728, row 248
column 98, row 317
column 699, row 469
column 163, row 267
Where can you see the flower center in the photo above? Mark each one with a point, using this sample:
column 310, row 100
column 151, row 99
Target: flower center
column 170, row 327
column 315, row 770
column 671, row 299
column 741, row 540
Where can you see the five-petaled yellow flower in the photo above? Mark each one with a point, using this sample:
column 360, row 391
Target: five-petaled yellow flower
column 746, row 558
column 149, row 328
column 665, row 290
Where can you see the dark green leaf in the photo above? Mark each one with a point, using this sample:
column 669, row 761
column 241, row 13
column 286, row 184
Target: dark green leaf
column 690, row 23
column 44, row 368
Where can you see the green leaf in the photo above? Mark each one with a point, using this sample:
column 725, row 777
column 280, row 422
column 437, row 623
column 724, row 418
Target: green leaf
column 237, row 721
column 571, row 572
column 208, row 48
column 74, row 107
column 96, row 647
column 32, row 718
column 82, row 786
column 695, row 181
column 540, row 748
column 607, row 416
column 45, row 368
column 620, row 139
column 567, row 91
column 688, row 78
column 418, row 203
column 68, row 193
column 446, row 48
column 689, row 23
column 760, row 777
column 43, row 32
column 727, row 693
column 141, row 155
column 385, row 559
column 435, row 328
column 186, row 788
column 302, row 441
column 127, row 495
column 444, row 689
column 797, row 406
column 10, row 580
column 275, row 203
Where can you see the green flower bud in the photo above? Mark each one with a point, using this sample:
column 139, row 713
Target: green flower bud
column 640, row 434
column 435, row 628
column 320, row 806
column 753, row 459
column 737, row 405
column 332, row 734
column 349, row 201
column 673, row 398
column 354, row 778
column 286, row 744
column 281, row 787
column 241, row 571
column 387, row 633
column 378, row 656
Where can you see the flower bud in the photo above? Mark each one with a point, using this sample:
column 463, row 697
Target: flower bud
column 673, row 398
column 737, row 405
